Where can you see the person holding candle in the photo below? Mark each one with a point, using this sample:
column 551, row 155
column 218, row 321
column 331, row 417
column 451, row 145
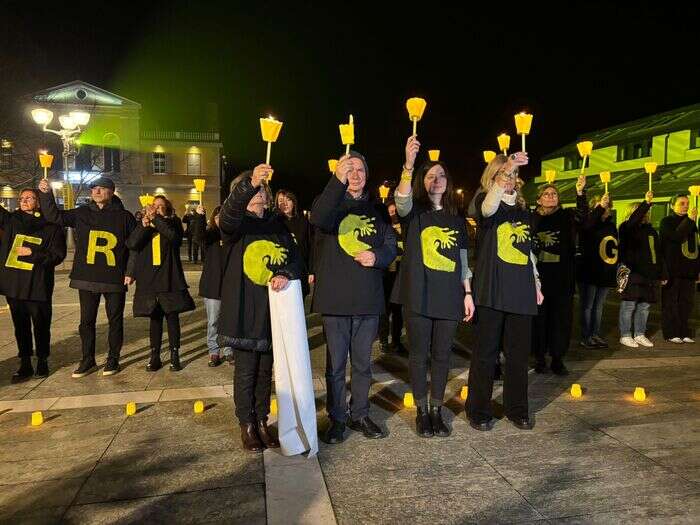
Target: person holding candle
column 30, row 250
column 639, row 251
column 217, row 253
column 287, row 205
column 99, row 265
column 434, row 281
column 391, row 322
column 263, row 258
column 356, row 242
column 161, row 288
column 554, row 230
column 599, row 245
column 506, row 293
column 679, row 244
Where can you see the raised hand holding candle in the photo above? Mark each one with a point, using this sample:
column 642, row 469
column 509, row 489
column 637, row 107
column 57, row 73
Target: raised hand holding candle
column 549, row 176
column 605, row 179
column 523, row 123
column 504, row 142
column 650, row 168
column 415, row 107
column 489, row 156
column 347, row 134
column 585, row 149
column 270, row 129
column 45, row 160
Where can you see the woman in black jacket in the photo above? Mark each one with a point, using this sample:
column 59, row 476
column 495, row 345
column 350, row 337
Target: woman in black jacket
column 217, row 253
column 640, row 252
column 263, row 257
column 287, row 205
column 434, row 281
column 30, row 249
column 161, row 288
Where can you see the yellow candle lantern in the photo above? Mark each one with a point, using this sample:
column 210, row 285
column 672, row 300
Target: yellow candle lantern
column 332, row 165
column 130, row 408
column 549, row 176
column 489, row 156
column 199, row 185
column 45, row 161
column 585, row 149
column 146, row 200
column 650, row 168
column 37, row 419
column 605, row 179
column 270, row 129
column 695, row 192
column 523, row 123
column 347, row 134
column 198, row 407
column 639, row 394
column 408, row 401
column 576, row 391
column 416, row 107
column 464, row 393
column 503, row 142
column 384, row 191
column 434, row 154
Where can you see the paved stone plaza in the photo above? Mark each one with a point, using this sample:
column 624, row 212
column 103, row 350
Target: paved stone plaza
column 601, row 459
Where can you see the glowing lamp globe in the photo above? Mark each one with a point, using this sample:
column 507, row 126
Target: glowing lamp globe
column 42, row 117
column 67, row 122
column 81, row 118
column 464, row 393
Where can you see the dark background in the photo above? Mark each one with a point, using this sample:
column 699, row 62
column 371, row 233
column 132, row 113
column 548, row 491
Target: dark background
column 577, row 68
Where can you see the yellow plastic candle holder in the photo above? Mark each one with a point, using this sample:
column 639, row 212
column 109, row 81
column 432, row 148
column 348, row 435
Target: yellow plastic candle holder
column 332, row 165
column 434, row 154
column 605, row 177
column 489, row 156
column 130, row 408
column 198, row 407
column 270, row 129
column 408, row 401
column 650, row 168
column 383, row 192
column 576, row 391
column 694, row 191
column 37, row 419
column 503, row 142
column 639, row 394
column 585, row 149
column 523, row 124
column 347, row 134
column 416, row 108
column 549, row 176
column 273, row 406
column 45, row 161
column 464, row 393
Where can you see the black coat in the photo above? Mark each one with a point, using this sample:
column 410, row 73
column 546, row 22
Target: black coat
column 101, row 254
column 300, row 229
column 216, row 254
column 261, row 248
column 158, row 269
column 599, row 246
column 679, row 243
column 29, row 277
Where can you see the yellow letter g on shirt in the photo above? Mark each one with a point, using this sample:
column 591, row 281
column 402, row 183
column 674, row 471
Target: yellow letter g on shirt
column 102, row 242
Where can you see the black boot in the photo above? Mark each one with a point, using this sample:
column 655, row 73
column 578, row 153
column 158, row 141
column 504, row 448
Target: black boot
column 42, row 367
column 154, row 363
column 175, row 359
column 25, row 370
column 424, row 428
column 439, row 427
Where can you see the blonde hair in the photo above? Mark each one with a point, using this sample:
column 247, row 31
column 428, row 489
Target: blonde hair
column 632, row 208
column 488, row 178
column 540, row 190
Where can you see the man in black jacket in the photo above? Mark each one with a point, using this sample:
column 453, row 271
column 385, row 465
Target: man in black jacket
column 99, row 265
column 679, row 243
column 356, row 243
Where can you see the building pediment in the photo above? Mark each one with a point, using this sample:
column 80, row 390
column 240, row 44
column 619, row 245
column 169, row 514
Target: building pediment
column 81, row 93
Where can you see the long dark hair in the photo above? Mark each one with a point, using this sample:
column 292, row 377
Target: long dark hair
column 290, row 195
column 169, row 210
column 420, row 195
column 211, row 224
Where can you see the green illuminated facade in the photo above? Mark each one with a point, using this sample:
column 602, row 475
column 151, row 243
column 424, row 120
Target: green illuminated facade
column 670, row 139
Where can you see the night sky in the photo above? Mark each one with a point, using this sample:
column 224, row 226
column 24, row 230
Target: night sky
column 310, row 65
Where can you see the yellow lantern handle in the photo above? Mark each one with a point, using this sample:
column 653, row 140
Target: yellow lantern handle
column 523, row 136
column 650, row 174
column 347, row 149
column 583, row 166
column 606, row 187
column 415, row 125
column 45, row 173
column 269, row 150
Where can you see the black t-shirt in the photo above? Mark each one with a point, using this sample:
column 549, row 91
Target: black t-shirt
column 217, row 253
column 503, row 276
column 679, row 242
column 555, row 247
column 431, row 268
column 600, row 250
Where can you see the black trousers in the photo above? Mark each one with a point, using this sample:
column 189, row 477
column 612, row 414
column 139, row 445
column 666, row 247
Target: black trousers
column 28, row 314
column 429, row 338
column 192, row 250
column 551, row 328
column 491, row 326
column 114, row 307
column 252, row 385
column 156, row 331
column 677, row 299
column 392, row 320
column 349, row 335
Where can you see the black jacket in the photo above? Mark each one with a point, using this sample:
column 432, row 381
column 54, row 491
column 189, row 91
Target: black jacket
column 599, row 246
column 639, row 248
column 300, row 229
column 101, row 254
column 261, row 248
column 216, row 254
column 679, row 243
column 29, row 277
column 345, row 227
column 157, row 268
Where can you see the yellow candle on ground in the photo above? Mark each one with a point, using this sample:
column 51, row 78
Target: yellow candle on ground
column 576, row 391
column 408, row 401
column 198, row 407
column 130, row 408
column 639, row 394
column 464, row 393
column 37, row 419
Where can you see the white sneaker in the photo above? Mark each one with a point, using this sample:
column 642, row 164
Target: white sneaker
column 628, row 341
column 642, row 340
column 676, row 340
column 688, row 340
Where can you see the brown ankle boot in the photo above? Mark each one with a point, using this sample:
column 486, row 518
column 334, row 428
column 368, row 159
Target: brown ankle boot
column 266, row 435
column 249, row 437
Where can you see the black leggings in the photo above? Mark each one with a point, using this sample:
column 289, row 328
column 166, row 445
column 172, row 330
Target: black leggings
column 173, row 320
column 429, row 338
column 28, row 314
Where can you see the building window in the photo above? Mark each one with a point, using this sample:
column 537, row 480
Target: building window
column 634, row 150
column 158, row 163
column 112, row 159
column 572, row 161
column 5, row 155
column 194, row 164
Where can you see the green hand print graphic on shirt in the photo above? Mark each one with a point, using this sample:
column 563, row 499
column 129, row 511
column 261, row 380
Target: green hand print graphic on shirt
column 432, row 238
column 351, row 229
column 548, row 238
column 507, row 234
column 258, row 255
